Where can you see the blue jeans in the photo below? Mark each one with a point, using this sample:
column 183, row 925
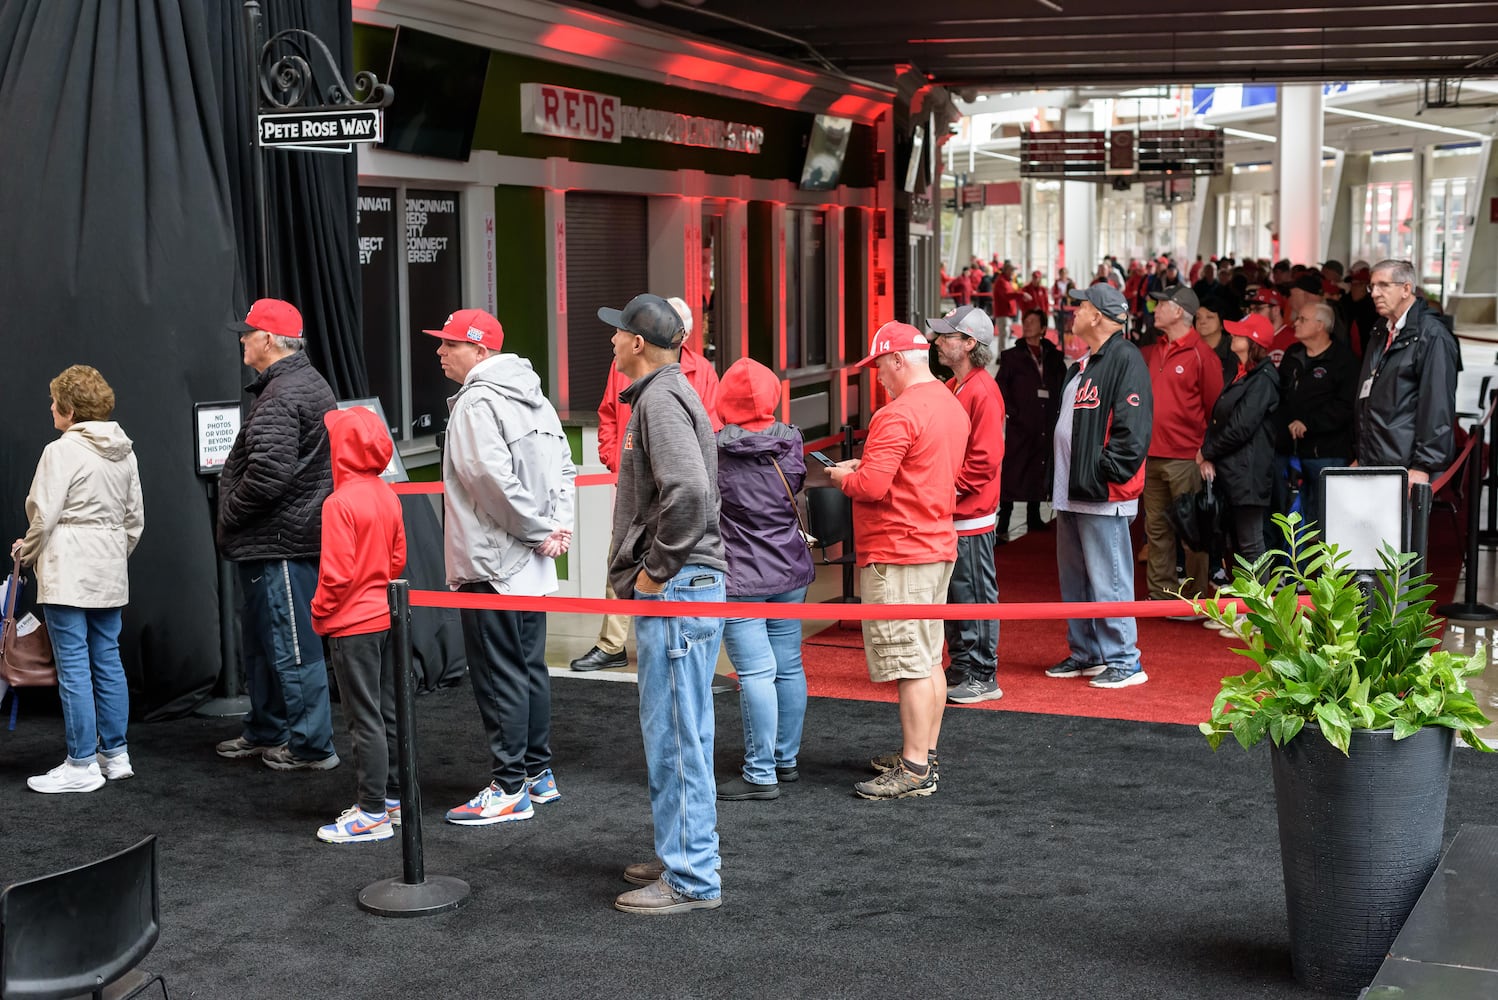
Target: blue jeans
column 766, row 654
column 90, row 679
column 974, row 645
column 677, row 657
column 283, row 660
column 1096, row 563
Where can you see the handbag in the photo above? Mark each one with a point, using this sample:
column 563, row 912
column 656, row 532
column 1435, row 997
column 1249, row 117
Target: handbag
column 1196, row 517
column 25, row 657
column 806, row 536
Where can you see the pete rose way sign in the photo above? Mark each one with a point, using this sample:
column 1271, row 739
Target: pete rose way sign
column 546, row 109
column 321, row 128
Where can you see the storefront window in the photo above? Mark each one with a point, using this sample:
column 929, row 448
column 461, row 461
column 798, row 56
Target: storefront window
column 805, row 288
column 1445, row 231
column 402, row 367
column 1385, row 221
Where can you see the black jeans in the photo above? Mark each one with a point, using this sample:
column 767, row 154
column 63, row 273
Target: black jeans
column 365, row 668
column 1248, row 532
column 507, row 664
column 974, row 645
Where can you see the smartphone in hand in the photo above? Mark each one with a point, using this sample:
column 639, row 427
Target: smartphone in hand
column 820, row 457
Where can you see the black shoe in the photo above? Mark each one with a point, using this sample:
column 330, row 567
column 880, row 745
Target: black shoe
column 739, row 790
column 955, row 676
column 786, row 775
column 597, row 659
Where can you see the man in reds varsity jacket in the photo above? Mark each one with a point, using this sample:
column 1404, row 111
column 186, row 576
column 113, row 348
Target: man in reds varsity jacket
column 964, row 343
column 1102, row 437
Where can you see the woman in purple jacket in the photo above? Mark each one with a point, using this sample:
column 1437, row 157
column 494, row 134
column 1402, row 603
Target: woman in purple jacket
column 760, row 468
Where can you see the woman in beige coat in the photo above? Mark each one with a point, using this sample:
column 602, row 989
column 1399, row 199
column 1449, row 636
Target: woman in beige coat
column 85, row 517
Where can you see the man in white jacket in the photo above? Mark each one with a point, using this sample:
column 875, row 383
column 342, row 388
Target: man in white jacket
column 507, row 477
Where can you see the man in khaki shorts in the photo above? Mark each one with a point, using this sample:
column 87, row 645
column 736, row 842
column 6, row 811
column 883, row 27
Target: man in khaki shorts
column 904, row 491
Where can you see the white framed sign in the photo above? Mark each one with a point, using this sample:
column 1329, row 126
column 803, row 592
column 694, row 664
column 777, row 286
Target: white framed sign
column 215, row 426
column 395, row 469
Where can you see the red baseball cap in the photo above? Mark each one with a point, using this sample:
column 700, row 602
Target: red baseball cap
column 278, row 318
column 472, row 326
column 1265, row 296
column 1256, row 328
column 892, row 337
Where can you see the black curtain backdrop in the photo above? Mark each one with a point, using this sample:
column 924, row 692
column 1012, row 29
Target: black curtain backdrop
column 126, row 228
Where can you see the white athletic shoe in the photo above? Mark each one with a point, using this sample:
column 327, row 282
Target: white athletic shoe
column 116, row 768
column 68, row 777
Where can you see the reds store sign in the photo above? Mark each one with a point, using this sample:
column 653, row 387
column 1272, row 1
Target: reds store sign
column 546, row 109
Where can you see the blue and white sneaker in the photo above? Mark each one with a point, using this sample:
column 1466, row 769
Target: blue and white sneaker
column 543, row 788
column 393, row 810
column 355, row 826
column 493, row 805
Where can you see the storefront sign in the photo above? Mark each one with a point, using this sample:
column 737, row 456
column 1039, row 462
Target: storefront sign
column 546, row 109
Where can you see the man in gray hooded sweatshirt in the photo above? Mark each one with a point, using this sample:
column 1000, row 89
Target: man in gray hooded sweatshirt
column 507, row 478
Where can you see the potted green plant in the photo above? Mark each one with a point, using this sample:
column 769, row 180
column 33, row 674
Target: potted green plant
column 1360, row 708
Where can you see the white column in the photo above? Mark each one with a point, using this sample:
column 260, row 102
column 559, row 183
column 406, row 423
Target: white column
column 1079, row 211
column 1297, row 158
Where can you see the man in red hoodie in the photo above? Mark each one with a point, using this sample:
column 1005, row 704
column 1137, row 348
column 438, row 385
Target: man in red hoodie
column 363, row 549
column 964, row 343
column 904, row 492
column 613, row 417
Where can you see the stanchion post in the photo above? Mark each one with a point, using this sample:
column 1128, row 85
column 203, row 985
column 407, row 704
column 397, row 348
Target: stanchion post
column 1488, row 537
column 413, row 894
column 1469, row 609
column 1419, row 526
column 228, row 698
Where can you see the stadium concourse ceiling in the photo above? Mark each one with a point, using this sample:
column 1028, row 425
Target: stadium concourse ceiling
column 1018, row 44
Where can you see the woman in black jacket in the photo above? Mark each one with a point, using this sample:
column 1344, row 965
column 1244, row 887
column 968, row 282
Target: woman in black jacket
column 1239, row 444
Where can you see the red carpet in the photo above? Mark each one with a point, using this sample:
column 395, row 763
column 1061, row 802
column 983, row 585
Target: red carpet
column 1185, row 662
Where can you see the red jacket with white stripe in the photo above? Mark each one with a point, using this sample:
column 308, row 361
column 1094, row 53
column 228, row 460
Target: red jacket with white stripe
column 978, row 478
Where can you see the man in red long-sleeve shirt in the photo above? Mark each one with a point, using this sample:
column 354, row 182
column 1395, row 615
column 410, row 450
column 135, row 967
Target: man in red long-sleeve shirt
column 964, row 343
column 904, row 494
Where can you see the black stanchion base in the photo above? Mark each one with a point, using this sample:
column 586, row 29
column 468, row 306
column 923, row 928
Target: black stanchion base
column 1487, row 539
column 223, row 708
column 1467, row 612
column 393, row 897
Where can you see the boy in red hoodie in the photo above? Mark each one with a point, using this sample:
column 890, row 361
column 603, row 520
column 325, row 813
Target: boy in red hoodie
column 363, row 548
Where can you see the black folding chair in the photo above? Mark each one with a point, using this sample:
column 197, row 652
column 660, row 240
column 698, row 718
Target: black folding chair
column 829, row 519
column 82, row 932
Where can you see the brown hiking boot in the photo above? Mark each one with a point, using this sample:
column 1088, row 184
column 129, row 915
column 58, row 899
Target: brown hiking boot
column 898, row 783
column 644, row 872
column 889, row 761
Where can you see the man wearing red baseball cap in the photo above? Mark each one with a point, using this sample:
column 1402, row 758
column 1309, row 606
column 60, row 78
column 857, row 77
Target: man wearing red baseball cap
column 904, row 494
column 507, row 500
column 1265, row 301
column 271, row 492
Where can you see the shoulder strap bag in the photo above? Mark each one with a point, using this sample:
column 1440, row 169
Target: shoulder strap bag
column 25, row 660
column 806, row 536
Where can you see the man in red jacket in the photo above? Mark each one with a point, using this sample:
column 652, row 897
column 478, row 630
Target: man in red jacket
column 964, row 343
column 1186, row 379
column 904, row 493
column 613, row 417
column 363, row 549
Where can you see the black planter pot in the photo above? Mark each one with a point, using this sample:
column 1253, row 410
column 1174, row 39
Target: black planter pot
column 1359, row 837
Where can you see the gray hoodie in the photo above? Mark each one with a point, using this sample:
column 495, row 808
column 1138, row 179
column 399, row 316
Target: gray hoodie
column 666, row 508
column 507, row 471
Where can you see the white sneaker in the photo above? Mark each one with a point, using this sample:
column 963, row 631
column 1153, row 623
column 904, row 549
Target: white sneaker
column 68, row 777
column 116, row 768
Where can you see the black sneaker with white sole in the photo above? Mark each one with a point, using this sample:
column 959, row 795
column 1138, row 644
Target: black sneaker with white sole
column 1073, row 667
column 1118, row 677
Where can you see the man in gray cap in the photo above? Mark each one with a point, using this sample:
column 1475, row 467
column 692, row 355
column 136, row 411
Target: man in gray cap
column 1186, row 379
column 666, row 546
column 1101, row 439
column 964, row 343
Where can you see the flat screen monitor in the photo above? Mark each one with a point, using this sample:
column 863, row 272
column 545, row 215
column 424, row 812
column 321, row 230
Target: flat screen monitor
column 438, row 84
column 824, row 153
column 913, row 168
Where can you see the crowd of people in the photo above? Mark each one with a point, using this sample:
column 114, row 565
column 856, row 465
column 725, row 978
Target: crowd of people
column 1252, row 386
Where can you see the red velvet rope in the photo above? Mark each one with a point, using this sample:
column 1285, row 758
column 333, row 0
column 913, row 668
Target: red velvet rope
column 1461, row 460
column 813, row 612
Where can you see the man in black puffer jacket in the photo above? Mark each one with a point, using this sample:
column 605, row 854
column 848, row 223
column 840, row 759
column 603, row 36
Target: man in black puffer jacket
column 270, row 523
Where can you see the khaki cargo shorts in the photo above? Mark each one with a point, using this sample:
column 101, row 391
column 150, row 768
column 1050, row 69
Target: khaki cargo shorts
column 904, row 648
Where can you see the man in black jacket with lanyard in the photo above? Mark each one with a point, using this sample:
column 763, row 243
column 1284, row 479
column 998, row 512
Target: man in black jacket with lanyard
column 1102, row 437
column 1406, row 405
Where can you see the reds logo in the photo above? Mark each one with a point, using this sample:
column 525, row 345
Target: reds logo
column 629, row 441
column 1132, row 399
column 1087, row 396
column 1180, row 369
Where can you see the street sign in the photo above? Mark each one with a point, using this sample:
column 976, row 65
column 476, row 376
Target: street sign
column 321, row 128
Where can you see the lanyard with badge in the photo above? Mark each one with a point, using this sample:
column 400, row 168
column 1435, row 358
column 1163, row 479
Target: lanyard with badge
column 1367, row 387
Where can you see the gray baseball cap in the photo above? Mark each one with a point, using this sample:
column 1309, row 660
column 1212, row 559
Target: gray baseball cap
column 1181, row 296
column 648, row 316
column 969, row 320
column 1105, row 299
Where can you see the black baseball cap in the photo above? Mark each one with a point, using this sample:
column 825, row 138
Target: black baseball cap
column 648, row 316
column 1105, row 299
column 1181, row 296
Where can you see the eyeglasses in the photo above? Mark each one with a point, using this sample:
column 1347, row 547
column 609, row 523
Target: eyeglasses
column 1387, row 285
column 947, row 336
